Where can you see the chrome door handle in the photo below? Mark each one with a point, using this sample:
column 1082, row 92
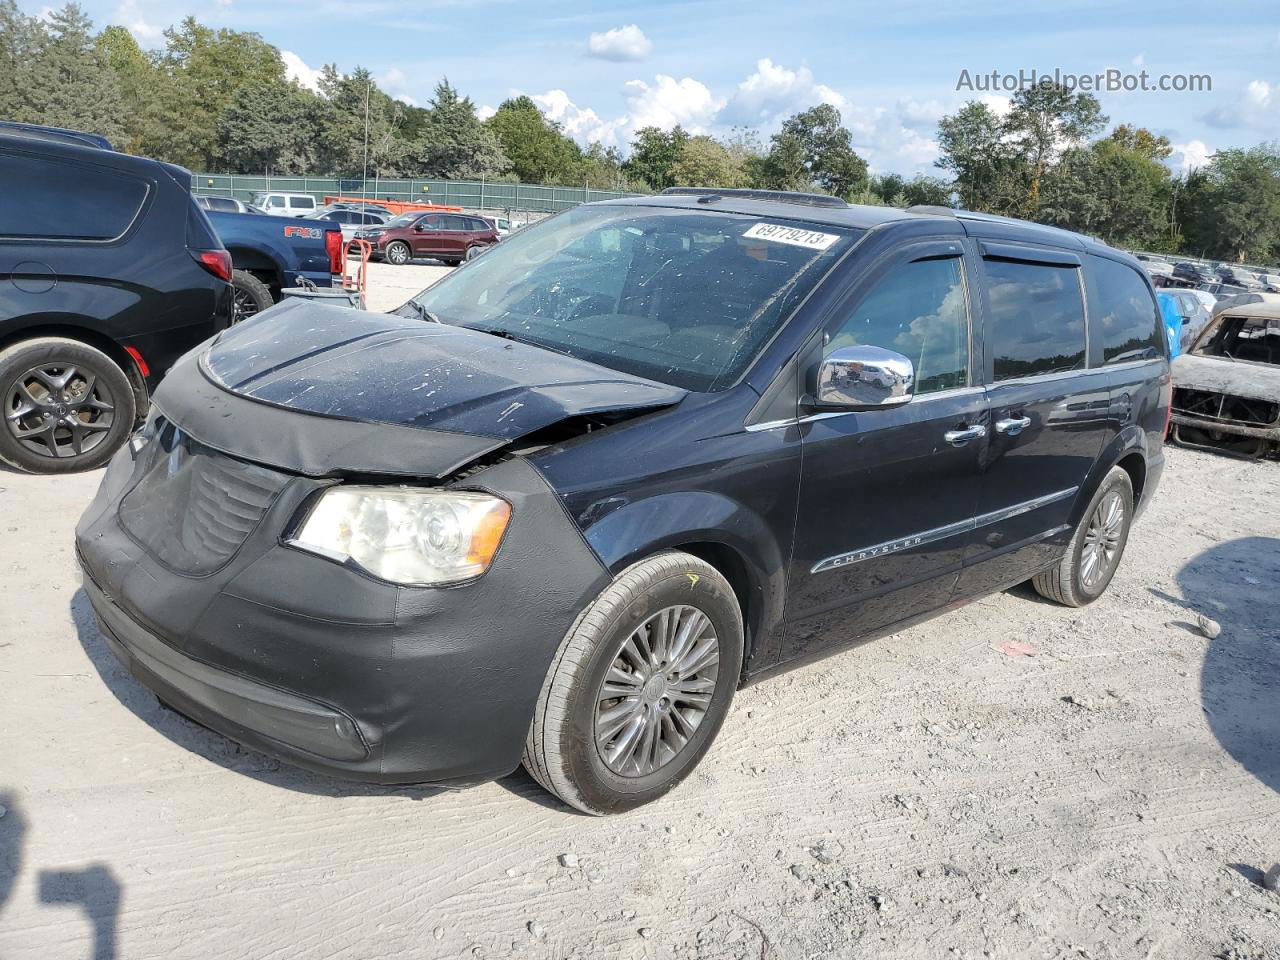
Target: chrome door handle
column 958, row 438
column 1013, row 425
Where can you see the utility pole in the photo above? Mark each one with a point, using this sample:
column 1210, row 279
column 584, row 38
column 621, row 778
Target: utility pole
column 364, row 179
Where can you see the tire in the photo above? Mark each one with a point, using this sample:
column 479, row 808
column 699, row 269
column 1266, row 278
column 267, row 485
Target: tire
column 42, row 429
column 1075, row 582
column 562, row 752
column 398, row 253
column 252, row 296
column 450, row 262
column 473, row 252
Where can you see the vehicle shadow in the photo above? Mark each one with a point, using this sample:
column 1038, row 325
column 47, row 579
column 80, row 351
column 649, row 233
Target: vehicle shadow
column 1234, row 583
column 13, row 829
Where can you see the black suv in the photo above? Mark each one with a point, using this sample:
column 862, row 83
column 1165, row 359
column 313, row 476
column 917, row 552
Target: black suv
column 1194, row 272
column 632, row 458
column 108, row 273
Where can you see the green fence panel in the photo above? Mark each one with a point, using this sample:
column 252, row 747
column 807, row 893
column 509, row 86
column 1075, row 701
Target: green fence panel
column 474, row 194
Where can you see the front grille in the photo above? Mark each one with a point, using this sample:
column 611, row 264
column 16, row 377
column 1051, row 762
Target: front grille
column 1224, row 407
column 194, row 507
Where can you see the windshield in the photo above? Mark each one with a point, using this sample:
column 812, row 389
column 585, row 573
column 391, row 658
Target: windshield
column 404, row 220
column 685, row 297
column 1252, row 339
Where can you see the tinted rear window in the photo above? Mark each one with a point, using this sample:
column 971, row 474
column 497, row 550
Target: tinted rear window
column 1125, row 316
column 1036, row 324
column 67, row 200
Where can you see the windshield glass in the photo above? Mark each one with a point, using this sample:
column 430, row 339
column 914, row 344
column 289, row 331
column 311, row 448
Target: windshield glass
column 1253, row 339
column 685, row 297
column 404, row 220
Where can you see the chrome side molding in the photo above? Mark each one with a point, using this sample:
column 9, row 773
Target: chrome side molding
column 941, row 533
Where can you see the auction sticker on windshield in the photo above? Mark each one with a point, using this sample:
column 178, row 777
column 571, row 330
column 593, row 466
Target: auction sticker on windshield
column 777, row 233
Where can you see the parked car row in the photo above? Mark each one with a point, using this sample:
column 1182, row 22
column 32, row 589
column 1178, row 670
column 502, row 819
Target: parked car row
column 450, row 237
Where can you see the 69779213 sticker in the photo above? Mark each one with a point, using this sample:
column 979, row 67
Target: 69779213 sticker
column 795, row 236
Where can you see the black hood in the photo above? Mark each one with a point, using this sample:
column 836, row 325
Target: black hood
column 445, row 394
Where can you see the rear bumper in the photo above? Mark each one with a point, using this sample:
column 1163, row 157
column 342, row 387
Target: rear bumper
column 325, row 668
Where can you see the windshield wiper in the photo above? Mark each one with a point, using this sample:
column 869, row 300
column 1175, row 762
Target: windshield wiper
column 516, row 338
column 422, row 312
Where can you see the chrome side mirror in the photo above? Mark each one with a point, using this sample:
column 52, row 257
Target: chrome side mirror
column 865, row 378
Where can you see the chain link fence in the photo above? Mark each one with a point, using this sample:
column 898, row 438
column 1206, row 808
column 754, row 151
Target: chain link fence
column 472, row 194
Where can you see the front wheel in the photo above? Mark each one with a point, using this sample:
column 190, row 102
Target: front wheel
column 1096, row 546
column 639, row 686
column 398, row 253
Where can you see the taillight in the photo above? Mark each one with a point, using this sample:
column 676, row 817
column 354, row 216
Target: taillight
column 217, row 262
column 333, row 246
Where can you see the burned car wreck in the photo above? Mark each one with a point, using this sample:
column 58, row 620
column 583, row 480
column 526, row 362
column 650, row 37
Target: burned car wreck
column 1226, row 393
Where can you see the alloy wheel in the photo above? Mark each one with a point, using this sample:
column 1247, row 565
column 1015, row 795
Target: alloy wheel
column 657, row 691
column 398, row 254
column 59, row 410
column 244, row 306
column 1101, row 549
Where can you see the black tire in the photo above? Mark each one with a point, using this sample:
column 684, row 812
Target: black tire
column 252, row 296
column 450, row 262
column 473, row 252
column 398, row 253
column 1071, row 582
column 562, row 752
column 56, row 424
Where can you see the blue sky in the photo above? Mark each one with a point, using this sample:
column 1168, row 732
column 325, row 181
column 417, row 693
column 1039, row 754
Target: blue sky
column 605, row 69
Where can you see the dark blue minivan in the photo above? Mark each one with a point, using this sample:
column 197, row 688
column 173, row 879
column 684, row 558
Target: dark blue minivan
column 561, row 505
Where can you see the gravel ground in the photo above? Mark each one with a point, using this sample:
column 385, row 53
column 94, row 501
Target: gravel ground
column 1011, row 780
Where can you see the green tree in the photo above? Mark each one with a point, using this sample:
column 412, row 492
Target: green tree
column 537, row 148
column 200, row 71
column 136, row 76
column 357, row 127
column 269, row 126
column 1232, row 208
column 453, row 143
column 1044, row 120
column 20, row 38
column 654, row 154
column 69, row 83
column 987, row 171
column 813, row 150
column 705, row 162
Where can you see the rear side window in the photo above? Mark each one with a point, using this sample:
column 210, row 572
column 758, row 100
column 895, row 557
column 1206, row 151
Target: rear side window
column 302, row 203
column 275, row 202
column 59, row 199
column 1126, row 316
column 918, row 310
column 222, row 203
column 1036, row 321
column 481, row 225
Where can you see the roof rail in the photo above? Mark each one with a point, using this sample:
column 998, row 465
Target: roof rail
column 932, row 208
column 56, row 134
column 776, row 196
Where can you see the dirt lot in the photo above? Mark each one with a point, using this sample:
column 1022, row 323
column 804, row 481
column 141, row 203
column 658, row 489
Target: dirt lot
column 1012, row 780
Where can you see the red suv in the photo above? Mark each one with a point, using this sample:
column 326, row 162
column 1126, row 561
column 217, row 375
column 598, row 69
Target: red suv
column 451, row 237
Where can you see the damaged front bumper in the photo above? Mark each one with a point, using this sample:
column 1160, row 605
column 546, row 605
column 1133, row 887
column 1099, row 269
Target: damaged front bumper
column 316, row 663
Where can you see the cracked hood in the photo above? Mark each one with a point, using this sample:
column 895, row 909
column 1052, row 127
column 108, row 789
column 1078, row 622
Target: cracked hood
column 443, row 394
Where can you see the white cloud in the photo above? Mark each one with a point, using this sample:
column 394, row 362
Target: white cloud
column 997, row 104
column 295, row 68
column 1188, row 156
column 670, row 101
column 581, row 123
column 620, row 44
column 395, row 84
column 1259, row 107
column 486, row 111
column 921, row 113
column 149, row 35
column 774, row 92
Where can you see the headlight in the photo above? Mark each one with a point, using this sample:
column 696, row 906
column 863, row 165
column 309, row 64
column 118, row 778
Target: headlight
column 407, row 536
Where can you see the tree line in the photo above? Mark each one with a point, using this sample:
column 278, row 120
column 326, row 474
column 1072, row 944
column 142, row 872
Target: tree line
column 219, row 100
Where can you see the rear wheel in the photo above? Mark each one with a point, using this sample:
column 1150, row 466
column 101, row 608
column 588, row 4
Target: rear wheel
column 252, row 296
column 1096, row 547
column 67, row 406
column 639, row 687
column 473, row 252
column 398, row 252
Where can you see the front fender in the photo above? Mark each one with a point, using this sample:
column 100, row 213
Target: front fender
column 637, row 529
